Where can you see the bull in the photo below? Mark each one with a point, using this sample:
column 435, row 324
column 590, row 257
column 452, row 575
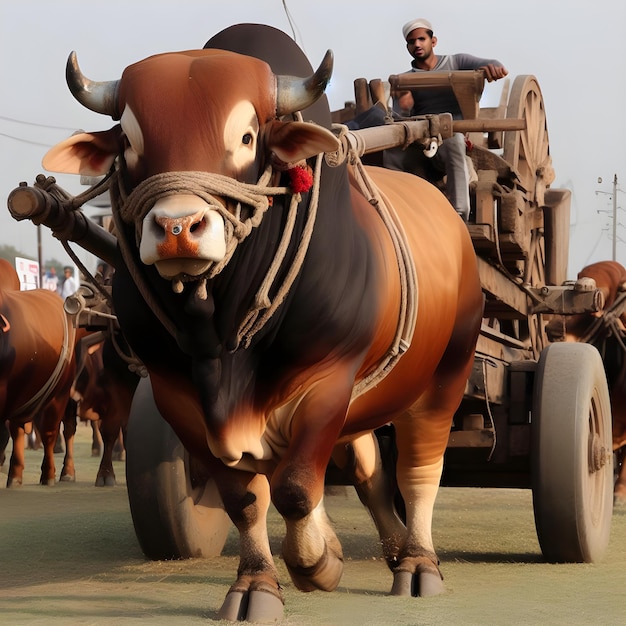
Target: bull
column 605, row 329
column 281, row 317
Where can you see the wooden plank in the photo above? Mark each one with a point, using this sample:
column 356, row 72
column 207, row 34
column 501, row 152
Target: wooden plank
column 467, row 86
column 557, row 224
column 501, row 289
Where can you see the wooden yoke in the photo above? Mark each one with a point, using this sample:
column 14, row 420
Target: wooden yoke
column 467, row 86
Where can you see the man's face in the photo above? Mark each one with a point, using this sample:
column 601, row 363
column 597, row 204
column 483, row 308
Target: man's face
column 419, row 44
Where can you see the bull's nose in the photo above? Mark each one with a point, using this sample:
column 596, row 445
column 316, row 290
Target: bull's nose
column 182, row 227
column 191, row 225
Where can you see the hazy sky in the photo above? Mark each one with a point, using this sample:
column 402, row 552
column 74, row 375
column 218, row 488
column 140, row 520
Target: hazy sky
column 577, row 51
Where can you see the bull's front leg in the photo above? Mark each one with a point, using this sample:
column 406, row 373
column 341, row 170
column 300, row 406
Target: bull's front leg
column 311, row 550
column 256, row 595
column 362, row 462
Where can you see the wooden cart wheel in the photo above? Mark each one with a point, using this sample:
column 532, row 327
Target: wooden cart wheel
column 528, row 150
column 528, row 153
column 176, row 509
column 571, row 454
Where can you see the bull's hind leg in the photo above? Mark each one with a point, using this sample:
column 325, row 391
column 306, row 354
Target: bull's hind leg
column 256, row 595
column 421, row 438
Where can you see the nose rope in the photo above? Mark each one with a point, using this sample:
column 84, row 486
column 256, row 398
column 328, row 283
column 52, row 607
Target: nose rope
column 207, row 186
column 133, row 208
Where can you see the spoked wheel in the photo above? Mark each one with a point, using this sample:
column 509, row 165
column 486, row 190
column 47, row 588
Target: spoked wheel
column 176, row 509
column 528, row 150
column 571, row 454
column 528, row 153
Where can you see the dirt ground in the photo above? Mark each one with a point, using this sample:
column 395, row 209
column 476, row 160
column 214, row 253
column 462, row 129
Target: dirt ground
column 68, row 555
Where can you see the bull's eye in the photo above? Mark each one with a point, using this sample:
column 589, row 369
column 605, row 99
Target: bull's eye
column 246, row 139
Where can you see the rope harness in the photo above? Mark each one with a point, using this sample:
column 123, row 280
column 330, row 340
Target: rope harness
column 406, row 265
column 131, row 208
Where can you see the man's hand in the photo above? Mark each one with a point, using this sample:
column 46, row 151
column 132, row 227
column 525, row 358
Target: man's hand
column 403, row 100
column 494, row 72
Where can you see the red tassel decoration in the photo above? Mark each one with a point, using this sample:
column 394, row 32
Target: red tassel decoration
column 301, row 178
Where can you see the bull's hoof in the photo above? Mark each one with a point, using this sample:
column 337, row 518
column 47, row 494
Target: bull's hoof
column 259, row 605
column 67, row 478
column 417, row 577
column 324, row 575
column 47, row 482
column 105, row 481
column 420, row 584
column 13, row 482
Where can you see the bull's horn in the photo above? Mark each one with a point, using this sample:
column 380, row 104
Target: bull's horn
column 296, row 94
column 99, row 97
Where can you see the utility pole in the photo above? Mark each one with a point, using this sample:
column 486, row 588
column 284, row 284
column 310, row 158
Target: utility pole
column 614, row 217
column 614, row 194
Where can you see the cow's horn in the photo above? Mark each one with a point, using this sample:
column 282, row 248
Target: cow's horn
column 99, row 97
column 296, row 94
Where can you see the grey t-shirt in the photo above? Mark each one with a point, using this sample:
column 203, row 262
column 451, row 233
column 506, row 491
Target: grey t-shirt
column 441, row 99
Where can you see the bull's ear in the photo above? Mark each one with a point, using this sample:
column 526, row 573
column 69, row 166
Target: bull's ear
column 295, row 141
column 88, row 154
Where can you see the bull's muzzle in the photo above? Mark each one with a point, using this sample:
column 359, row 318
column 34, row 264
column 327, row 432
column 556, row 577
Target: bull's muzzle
column 182, row 235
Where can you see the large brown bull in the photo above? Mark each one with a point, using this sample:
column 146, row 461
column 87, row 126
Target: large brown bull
column 265, row 313
column 606, row 329
column 36, row 371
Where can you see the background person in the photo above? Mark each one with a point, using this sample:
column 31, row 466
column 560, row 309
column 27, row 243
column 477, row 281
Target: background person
column 51, row 280
column 69, row 283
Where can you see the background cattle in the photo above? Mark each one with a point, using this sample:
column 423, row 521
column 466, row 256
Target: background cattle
column 104, row 389
column 36, row 370
column 606, row 330
column 284, row 309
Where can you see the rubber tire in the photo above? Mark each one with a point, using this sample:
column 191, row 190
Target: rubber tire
column 172, row 519
column 571, row 420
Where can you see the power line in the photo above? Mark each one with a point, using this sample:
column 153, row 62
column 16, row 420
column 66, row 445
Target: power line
column 16, row 121
column 32, row 143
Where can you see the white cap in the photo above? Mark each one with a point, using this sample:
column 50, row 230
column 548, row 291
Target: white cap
column 420, row 22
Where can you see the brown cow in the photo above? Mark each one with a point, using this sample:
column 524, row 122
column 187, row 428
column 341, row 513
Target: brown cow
column 606, row 330
column 260, row 345
column 36, row 370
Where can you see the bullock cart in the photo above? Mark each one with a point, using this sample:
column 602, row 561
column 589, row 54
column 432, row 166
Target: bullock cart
column 533, row 416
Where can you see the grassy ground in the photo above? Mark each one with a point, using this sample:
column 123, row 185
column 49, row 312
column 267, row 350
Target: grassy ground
column 68, row 555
